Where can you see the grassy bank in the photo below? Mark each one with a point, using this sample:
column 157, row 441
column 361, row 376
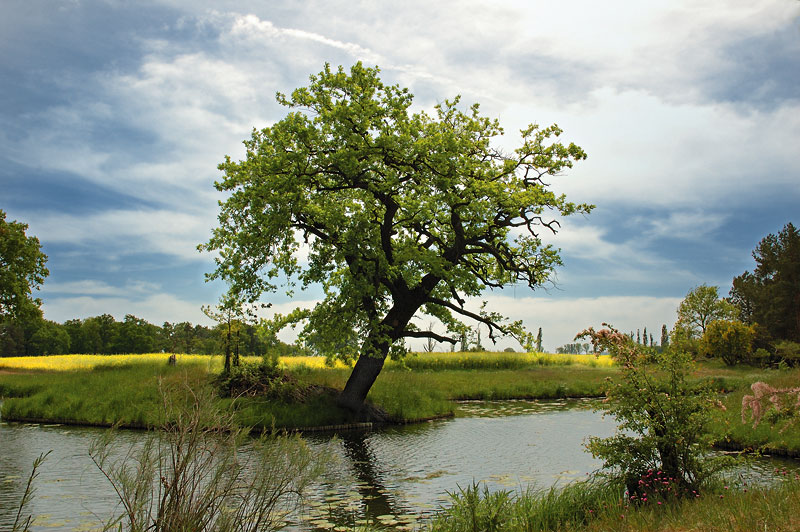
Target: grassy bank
column 596, row 507
column 778, row 431
column 102, row 390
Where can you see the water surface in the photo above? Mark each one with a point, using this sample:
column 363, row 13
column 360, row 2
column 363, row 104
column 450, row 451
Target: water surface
column 397, row 475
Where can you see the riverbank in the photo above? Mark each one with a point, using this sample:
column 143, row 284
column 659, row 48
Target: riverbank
column 124, row 390
column 101, row 391
column 724, row 506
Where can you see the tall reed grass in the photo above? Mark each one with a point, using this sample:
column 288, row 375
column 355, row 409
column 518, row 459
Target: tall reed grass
column 594, row 506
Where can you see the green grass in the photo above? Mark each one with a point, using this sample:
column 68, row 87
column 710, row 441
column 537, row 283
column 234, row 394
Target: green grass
column 128, row 393
column 595, row 506
column 101, row 396
column 777, row 433
column 414, row 395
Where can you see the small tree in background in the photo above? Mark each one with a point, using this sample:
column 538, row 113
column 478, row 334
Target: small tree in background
column 539, row 341
column 732, row 341
column 23, row 269
column 230, row 314
column 430, row 343
column 664, row 336
column 701, row 306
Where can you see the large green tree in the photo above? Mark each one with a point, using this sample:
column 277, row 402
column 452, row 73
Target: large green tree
column 402, row 213
column 770, row 295
column 22, row 269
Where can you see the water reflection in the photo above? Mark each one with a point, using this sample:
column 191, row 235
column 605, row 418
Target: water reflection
column 396, row 476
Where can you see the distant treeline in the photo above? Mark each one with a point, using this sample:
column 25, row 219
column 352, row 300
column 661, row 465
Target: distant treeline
column 104, row 335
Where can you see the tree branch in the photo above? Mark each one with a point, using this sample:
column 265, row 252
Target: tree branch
column 429, row 334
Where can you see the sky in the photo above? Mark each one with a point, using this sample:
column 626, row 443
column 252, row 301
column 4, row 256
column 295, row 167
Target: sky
column 114, row 116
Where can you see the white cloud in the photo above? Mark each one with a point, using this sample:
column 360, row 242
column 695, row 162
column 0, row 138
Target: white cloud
column 127, row 232
column 89, row 287
column 250, row 27
column 561, row 319
column 626, row 81
column 156, row 308
column 645, row 151
column 685, row 225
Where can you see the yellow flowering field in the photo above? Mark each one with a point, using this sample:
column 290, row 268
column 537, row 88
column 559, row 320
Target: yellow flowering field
column 502, row 360
column 423, row 360
column 79, row 362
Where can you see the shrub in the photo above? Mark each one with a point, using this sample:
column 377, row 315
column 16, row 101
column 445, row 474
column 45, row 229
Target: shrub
column 731, row 341
column 775, row 404
column 788, row 352
column 662, row 419
column 192, row 476
column 262, row 380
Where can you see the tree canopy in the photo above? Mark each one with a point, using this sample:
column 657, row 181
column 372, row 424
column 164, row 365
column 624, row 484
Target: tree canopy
column 770, row 295
column 22, row 269
column 700, row 307
column 399, row 213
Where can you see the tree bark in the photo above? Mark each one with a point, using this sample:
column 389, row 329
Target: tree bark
column 376, row 347
column 361, row 380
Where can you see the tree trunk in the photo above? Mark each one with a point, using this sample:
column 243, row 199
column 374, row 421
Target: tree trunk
column 361, row 379
column 375, row 349
column 228, row 350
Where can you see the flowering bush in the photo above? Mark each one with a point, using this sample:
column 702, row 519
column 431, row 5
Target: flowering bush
column 781, row 403
column 732, row 341
column 662, row 420
column 655, row 487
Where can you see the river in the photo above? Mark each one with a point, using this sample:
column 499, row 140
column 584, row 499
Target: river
column 400, row 473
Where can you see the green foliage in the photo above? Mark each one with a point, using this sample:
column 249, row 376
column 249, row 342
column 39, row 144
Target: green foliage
column 788, row 352
column 489, row 361
column 50, row 339
column 732, row 341
column 402, row 213
column 701, row 306
column 22, row 269
column 104, row 396
column 260, row 380
column 572, row 507
column 770, row 296
column 598, row 507
column 662, row 416
column 574, row 348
